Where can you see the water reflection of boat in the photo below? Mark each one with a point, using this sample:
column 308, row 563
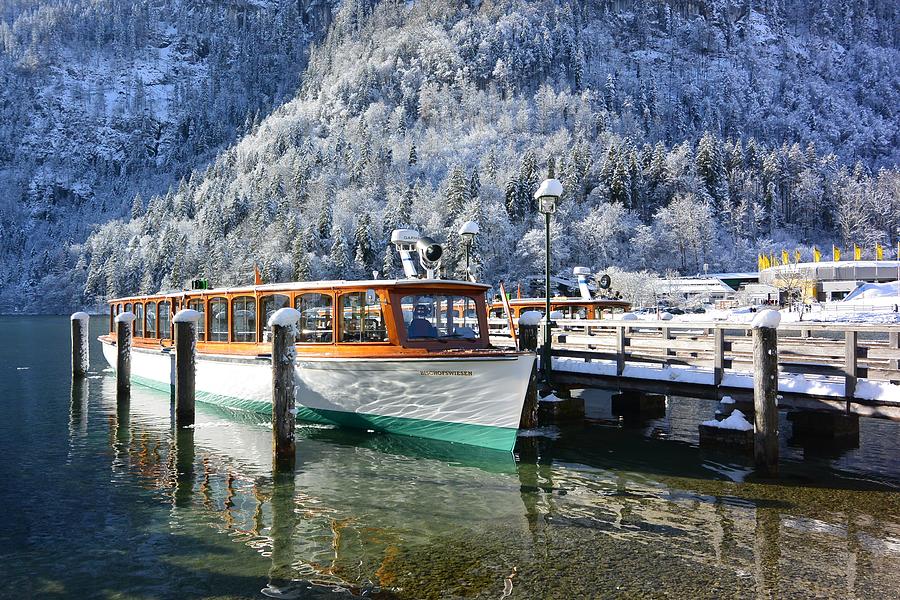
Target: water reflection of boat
column 355, row 494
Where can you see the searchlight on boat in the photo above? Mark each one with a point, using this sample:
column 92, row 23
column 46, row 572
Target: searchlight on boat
column 430, row 252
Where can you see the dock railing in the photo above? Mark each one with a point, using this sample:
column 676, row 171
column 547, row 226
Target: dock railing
column 842, row 351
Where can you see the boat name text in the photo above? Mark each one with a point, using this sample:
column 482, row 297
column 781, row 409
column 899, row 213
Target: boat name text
column 446, row 373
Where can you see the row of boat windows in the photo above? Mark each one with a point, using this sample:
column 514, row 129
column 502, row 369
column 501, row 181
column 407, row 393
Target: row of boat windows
column 569, row 312
column 237, row 320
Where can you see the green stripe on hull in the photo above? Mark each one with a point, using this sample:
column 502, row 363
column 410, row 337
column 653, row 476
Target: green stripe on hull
column 485, row 436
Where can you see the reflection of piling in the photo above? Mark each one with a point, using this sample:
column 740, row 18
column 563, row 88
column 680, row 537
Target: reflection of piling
column 185, row 366
column 284, row 522
column 765, row 391
column 80, row 352
column 283, row 324
column 79, row 406
column 123, row 353
column 184, row 465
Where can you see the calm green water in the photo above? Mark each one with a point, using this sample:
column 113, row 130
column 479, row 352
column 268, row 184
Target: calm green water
column 109, row 501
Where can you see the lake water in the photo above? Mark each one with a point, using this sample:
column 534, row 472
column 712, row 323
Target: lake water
column 107, row 500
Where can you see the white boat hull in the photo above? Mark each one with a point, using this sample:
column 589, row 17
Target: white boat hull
column 473, row 400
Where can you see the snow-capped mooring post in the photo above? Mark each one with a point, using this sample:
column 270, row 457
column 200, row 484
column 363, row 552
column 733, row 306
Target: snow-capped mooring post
column 80, row 354
column 123, row 353
column 284, row 415
column 185, row 365
column 765, row 391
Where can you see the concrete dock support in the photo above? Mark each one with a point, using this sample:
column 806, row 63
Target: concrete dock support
column 765, row 392
column 124, row 324
column 185, row 366
column 80, row 347
column 284, row 414
column 636, row 408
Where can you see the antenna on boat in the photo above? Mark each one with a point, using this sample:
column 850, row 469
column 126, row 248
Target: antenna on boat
column 582, row 274
column 405, row 241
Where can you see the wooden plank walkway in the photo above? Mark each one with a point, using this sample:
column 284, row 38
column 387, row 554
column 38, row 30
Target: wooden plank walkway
column 825, row 360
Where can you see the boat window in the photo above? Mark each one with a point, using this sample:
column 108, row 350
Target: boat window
column 440, row 317
column 218, row 320
column 243, row 319
column 138, row 319
column 165, row 320
column 361, row 317
column 498, row 313
column 151, row 320
column 267, row 307
column 112, row 316
column 198, row 305
column 315, row 318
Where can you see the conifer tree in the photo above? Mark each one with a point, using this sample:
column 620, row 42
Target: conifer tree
column 300, row 256
column 137, row 207
column 457, row 192
column 338, row 259
column 362, row 242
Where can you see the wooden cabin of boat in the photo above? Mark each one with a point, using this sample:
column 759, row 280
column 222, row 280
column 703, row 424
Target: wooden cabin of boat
column 571, row 308
column 412, row 317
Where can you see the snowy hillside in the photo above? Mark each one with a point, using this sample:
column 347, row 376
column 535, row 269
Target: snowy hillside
column 106, row 99
column 684, row 133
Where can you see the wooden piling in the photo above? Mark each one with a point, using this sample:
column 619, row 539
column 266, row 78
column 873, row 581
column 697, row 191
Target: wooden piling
column 283, row 324
column 765, row 393
column 528, row 337
column 80, row 347
column 850, row 363
column 620, row 350
column 185, row 322
column 718, row 355
column 123, row 353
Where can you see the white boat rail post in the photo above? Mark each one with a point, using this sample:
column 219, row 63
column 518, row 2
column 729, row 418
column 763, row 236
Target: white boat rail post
column 185, row 323
column 284, row 414
column 765, row 391
column 80, row 347
column 123, row 354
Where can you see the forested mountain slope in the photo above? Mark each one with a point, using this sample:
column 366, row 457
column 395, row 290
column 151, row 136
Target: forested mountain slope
column 101, row 100
column 684, row 133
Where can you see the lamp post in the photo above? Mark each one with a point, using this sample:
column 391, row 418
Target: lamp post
column 547, row 197
column 467, row 232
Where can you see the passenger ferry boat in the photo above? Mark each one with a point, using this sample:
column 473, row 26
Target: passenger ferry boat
column 571, row 308
column 584, row 306
column 409, row 356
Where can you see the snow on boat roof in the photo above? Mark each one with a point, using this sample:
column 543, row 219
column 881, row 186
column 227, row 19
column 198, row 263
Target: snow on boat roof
column 310, row 285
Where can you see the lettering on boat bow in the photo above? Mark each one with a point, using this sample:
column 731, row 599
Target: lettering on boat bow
column 446, row 373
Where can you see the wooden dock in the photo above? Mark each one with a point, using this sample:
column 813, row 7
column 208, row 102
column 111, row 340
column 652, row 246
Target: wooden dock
column 832, row 366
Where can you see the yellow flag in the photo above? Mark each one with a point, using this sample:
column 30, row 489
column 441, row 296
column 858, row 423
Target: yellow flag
column 817, row 254
column 785, row 259
column 879, row 252
column 857, row 252
column 797, row 256
column 836, row 252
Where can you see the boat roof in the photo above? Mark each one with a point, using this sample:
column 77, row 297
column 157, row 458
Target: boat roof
column 311, row 285
column 565, row 300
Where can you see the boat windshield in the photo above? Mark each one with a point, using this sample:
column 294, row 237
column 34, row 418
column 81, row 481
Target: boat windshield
column 436, row 316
